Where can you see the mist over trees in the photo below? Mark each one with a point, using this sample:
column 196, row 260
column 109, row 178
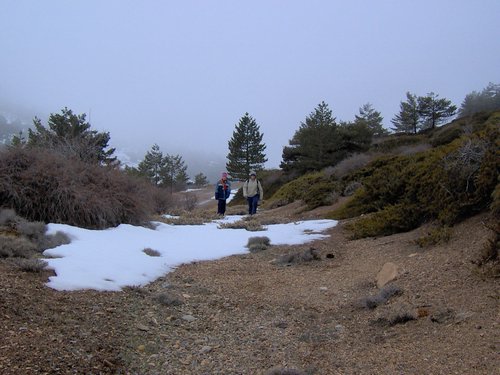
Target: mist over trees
column 246, row 149
column 486, row 100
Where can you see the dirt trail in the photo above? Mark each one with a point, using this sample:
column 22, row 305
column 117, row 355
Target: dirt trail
column 247, row 314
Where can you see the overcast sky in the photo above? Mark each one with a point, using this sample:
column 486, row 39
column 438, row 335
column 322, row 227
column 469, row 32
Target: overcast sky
column 182, row 73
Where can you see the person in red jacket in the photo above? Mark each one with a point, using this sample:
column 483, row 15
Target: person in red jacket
column 222, row 192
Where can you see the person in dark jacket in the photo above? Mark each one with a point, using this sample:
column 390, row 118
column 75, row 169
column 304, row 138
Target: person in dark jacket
column 222, row 192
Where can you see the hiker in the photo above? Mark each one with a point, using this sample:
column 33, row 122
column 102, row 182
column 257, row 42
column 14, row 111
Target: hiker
column 252, row 191
column 222, row 192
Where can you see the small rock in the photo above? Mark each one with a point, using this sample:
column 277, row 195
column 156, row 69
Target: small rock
column 141, row 348
column 188, row 318
column 205, row 349
column 323, row 288
column 142, row 327
column 388, row 273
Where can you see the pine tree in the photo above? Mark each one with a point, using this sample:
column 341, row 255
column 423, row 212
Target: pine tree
column 372, row 119
column 408, row 118
column 174, row 173
column 246, row 149
column 315, row 144
column 200, row 179
column 152, row 164
column 70, row 135
column 433, row 110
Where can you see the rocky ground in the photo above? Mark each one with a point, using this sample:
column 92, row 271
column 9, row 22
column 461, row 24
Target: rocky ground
column 259, row 314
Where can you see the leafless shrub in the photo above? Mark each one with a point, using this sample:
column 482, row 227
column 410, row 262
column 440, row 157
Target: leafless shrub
column 412, row 149
column 7, row 217
column 250, row 225
column 351, row 188
column 30, row 265
column 396, row 316
column 262, row 240
column 190, row 201
column 300, row 257
column 356, row 161
column 32, row 230
column 464, row 163
column 16, row 247
column 381, row 297
column 162, row 199
column 151, row 252
column 284, row 371
column 167, row 299
column 44, row 186
column 256, row 244
column 53, row 240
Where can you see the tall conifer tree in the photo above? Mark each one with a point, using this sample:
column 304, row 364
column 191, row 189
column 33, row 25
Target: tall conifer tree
column 246, row 149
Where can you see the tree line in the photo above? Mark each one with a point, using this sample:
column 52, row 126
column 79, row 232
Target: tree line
column 319, row 142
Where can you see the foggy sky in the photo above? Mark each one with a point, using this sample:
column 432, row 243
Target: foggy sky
column 182, row 73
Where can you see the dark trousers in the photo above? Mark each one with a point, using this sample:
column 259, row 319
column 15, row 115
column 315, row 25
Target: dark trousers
column 221, row 206
column 253, row 202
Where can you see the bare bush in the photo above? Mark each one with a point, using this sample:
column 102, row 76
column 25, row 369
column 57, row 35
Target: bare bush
column 352, row 163
column 8, row 217
column 381, row 297
column 250, row 225
column 190, row 201
column 284, row 371
column 351, row 188
column 256, row 244
column 20, row 247
column 168, row 299
column 151, row 252
column 412, row 149
column 30, row 265
column 300, row 257
column 43, row 186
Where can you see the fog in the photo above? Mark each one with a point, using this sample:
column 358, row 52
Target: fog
column 182, row 74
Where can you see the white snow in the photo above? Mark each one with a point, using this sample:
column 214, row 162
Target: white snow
column 114, row 258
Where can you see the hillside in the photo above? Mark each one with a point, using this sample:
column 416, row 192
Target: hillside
column 248, row 314
column 407, row 283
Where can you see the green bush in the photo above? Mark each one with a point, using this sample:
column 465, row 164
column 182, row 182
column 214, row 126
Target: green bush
column 447, row 183
column 315, row 189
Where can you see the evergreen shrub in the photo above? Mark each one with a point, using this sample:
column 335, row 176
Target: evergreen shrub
column 448, row 183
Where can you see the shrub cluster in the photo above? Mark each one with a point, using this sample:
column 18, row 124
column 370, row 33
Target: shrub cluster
column 381, row 297
column 447, row 183
column 22, row 239
column 315, row 189
column 45, row 186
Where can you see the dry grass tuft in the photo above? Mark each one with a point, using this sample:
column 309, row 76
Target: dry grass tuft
column 30, row 265
column 151, row 252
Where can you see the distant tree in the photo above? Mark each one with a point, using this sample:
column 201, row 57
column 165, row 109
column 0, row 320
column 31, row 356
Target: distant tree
column 70, row 135
column 163, row 170
column 174, row 173
column 433, row 110
column 371, row 118
column 200, row 179
column 408, row 118
column 315, row 144
column 486, row 100
column 152, row 165
column 246, row 149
